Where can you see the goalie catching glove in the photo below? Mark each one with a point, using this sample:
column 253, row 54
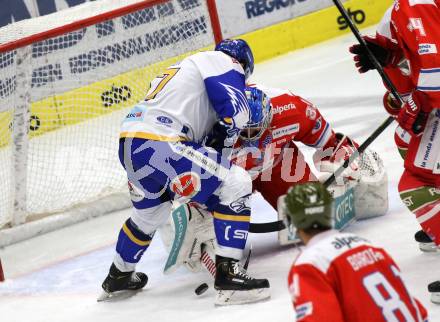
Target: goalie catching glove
column 338, row 149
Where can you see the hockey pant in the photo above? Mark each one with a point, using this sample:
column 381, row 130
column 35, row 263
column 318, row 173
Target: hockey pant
column 422, row 199
column 159, row 172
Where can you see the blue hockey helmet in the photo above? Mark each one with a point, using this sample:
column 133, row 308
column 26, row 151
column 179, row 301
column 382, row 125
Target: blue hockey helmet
column 260, row 114
column 240, row 50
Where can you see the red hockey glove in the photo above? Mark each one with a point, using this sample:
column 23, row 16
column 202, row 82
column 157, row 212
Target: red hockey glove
column 391, row 105
column 384, row 55
column 413, row 115
column 338, row 149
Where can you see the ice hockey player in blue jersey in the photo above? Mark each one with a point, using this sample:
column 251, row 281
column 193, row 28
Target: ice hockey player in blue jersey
column 161, row 148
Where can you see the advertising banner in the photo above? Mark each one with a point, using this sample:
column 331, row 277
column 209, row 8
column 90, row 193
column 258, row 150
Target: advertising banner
column 242, row 16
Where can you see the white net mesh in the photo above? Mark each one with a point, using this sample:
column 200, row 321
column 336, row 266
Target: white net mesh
column 371, row 166
column 81, row 84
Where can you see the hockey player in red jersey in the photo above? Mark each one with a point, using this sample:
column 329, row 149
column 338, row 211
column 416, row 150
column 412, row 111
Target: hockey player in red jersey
column 415, row 28
column 340, row 276
column 267, row 149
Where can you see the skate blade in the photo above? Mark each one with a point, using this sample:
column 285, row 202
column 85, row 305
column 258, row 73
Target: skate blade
column 435, row 297
column 428, row 247
column 226, row 297
column 116, row 296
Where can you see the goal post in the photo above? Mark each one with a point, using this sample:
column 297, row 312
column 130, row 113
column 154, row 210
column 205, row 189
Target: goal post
column 66, row 82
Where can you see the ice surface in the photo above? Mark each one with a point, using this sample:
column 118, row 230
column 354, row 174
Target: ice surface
column 57, row 277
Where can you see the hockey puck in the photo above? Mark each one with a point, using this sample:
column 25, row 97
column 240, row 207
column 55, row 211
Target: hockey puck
column 201, row 289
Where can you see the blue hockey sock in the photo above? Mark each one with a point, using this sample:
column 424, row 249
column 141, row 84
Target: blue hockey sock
column 132, row 242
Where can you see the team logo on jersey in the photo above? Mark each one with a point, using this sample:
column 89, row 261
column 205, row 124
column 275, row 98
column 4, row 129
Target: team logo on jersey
column 283, row 108
column 311, row 112
column 186, row 184
column 136, row 194
column 425, row 49
column 317, row 126
column 240, row 106
column 240, row 204
column 164, row 120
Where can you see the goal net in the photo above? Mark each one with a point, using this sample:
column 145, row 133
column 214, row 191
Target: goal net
column 66, row 82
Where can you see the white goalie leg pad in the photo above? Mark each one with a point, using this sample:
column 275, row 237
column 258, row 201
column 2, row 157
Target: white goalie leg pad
column 224, row 297
column 371, row 192
column 183, row 235
column 286, row 236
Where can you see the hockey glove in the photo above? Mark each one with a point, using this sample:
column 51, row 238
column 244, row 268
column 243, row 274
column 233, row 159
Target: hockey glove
column 413, row 115
column 218, row 138
column 338, row 149
column 391, row 105
column 362, row 60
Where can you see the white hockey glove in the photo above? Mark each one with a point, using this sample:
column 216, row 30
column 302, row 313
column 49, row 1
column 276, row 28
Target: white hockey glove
column 339, row 148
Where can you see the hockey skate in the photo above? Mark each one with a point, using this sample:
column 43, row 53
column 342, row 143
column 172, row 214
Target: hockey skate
column 425, row 242
column 434, row 289
column 235, row 286
column 121, row 284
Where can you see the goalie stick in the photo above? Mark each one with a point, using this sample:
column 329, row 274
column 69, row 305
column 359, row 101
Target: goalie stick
column 279, row 225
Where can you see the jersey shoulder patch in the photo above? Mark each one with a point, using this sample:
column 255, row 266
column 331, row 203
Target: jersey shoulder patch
column 416, row 2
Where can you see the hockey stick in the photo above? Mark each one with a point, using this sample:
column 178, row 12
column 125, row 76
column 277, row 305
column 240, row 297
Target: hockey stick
column 387, row 81
column 279, row 225
column 421, row 117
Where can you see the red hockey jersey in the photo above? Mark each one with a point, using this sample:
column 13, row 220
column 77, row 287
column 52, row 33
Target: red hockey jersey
column 414, row 27
column 294, row 119
column 342, row 277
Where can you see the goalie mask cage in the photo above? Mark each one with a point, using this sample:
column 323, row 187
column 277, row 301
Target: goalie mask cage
column 66, row 82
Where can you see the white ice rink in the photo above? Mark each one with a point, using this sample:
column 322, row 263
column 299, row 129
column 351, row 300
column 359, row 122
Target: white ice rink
column 57, row 277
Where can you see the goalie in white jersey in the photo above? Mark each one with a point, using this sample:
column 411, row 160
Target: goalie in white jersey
column 161, row 149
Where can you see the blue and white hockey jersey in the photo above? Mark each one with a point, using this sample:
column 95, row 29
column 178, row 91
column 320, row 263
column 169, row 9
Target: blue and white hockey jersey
column 188, row 98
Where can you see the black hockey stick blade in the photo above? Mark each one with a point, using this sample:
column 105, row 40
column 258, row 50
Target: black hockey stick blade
column 268, row 227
